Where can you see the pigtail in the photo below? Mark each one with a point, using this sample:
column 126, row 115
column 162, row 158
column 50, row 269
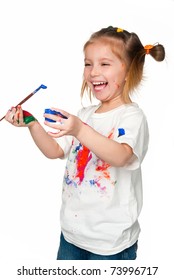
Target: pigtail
column 157, row 51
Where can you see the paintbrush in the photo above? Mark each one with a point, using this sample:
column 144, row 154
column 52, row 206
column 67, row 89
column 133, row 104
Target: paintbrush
column 27, row 97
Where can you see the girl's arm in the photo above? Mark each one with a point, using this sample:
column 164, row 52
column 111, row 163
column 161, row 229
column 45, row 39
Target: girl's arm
column 48, row 146
column 110, row 151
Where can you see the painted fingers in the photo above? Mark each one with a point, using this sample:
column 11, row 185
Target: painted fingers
column 15, row 116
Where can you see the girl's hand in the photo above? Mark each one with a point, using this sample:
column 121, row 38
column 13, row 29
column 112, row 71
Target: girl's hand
column 19, row 117
column 70, row 126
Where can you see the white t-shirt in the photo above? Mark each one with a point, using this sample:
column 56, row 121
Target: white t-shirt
column 101, row 203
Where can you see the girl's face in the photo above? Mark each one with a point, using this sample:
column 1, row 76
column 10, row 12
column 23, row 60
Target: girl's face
column 104, row 72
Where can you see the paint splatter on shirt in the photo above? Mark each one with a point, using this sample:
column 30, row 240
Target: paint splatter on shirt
column 84, row 161
column 83, row 157
column 101, row 203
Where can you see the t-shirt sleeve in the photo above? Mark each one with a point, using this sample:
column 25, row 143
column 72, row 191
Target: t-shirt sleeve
column 133, row 130
column 65, row 143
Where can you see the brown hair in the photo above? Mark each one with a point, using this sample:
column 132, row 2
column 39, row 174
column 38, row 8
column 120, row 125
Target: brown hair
column 128, row 47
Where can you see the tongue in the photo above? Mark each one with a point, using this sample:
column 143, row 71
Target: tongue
column 99, row 87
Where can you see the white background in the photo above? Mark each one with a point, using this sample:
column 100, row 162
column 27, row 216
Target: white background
column 41, row 43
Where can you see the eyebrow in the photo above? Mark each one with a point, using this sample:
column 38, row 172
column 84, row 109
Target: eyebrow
column 104, row 58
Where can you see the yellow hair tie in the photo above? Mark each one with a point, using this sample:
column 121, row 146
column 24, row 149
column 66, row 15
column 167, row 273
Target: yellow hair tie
column 148, row 48
column 119, row 30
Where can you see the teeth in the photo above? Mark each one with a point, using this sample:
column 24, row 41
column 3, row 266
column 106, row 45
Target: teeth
column 98, row 83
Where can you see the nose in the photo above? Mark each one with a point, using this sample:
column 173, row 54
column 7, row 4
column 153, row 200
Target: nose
column 95, row 71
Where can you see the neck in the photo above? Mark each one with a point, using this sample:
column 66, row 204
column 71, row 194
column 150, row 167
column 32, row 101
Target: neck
column 111, row 104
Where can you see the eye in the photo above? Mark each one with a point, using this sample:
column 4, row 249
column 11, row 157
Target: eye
column 87, row 64
column 105, row 64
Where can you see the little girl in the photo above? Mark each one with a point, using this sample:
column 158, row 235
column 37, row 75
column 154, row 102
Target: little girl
column 105, row 145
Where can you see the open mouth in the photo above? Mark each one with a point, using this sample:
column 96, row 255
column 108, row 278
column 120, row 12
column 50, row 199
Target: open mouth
column 99, row 85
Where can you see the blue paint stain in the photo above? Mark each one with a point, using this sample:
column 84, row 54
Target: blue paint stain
column 78, row 147
column 121, row 132
column 92, row 182
column 68, row 181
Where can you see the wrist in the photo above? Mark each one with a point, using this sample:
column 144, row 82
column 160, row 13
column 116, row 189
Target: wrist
column 32, row 126
column 82, row 131
column 28, row 117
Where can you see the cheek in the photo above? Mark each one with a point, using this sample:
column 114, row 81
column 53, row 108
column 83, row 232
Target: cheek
column 120, row 80
column 85, row 74
column 116, row 84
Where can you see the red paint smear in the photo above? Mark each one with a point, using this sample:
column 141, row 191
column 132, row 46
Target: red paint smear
column 111, row 134
column 26, row 114
column 83, row 157
column 104, row 165
column 104, row 168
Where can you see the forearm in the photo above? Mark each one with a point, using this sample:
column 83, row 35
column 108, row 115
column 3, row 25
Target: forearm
column 47, row 145
column 110, row 151
column 106, row 149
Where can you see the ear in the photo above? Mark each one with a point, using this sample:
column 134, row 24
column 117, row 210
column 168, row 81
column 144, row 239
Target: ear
column 127, row 75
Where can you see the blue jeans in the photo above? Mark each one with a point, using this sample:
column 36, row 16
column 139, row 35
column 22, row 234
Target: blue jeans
column 68, row 251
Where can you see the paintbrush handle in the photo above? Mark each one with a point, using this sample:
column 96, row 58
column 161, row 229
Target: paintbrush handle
column 22, row 102
column 28, row 96
column 2, row 118
column 25, row 99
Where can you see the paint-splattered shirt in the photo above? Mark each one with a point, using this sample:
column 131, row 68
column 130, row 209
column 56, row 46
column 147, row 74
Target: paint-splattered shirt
column 101, row 203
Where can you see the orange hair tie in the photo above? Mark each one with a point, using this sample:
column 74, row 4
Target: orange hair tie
column 148, row 48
